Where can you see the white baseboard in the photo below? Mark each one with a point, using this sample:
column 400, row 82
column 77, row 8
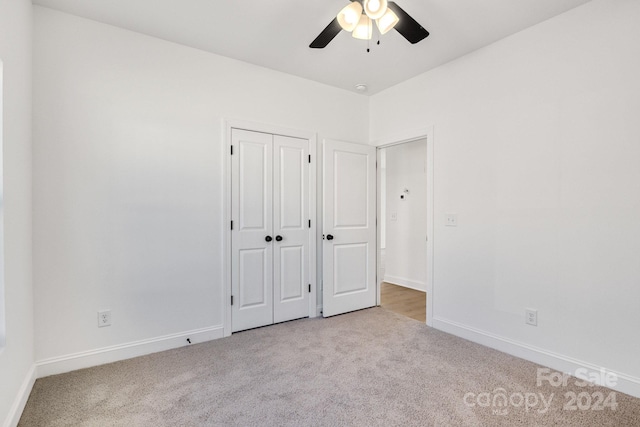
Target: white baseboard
column 86, row 359
column 21, row 399
column 407, row 283
column 625, row 383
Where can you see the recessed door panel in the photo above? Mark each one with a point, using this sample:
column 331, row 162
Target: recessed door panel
column 254, row 162
column 349, row 227
column 350, row 268
column 292, row 273
column 351, row 174
column 291, row 182
column 253, row 271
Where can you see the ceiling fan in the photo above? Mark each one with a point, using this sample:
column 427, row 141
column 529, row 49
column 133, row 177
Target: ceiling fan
column 358, row 18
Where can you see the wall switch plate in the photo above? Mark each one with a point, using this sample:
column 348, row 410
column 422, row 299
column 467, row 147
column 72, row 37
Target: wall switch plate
column 451, row 220
column 104, row 318
column 394, row 216
column 531, row 317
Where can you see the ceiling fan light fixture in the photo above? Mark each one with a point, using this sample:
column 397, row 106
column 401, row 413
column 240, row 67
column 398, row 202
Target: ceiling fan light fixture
column 349, row 16
column 388, row 15
column 387, row 21
column 375, row 8
column 364, row 29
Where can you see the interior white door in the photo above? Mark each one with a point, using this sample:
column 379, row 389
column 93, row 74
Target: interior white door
column 290, row 228
column 349, row 245
column 252, row 233
column 271, row 232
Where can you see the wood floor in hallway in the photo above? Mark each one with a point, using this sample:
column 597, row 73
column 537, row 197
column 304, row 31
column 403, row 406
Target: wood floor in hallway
column 405, row 301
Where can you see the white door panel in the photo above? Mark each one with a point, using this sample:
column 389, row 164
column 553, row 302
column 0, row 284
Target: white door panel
column 292, row 273
column 254, row 269
column 291, row 216
column 350, row 268
column 252, row 255
column 254, row 160
column 349, row 247
column 290, row 179
column 350, row 180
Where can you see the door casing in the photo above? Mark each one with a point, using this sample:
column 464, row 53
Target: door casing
column 401, row 138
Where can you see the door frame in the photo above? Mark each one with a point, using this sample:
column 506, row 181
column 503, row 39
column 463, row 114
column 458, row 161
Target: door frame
column 227, row 126
column 402, row 138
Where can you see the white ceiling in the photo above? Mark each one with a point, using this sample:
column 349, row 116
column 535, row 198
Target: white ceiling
column 276, row 33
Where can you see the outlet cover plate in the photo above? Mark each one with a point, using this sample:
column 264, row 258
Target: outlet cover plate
column 531, row 317
column 104, row 318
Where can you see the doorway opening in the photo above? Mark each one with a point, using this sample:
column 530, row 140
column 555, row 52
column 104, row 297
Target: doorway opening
column 403, row 228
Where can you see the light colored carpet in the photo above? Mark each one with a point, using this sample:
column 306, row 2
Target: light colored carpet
column 367, row 368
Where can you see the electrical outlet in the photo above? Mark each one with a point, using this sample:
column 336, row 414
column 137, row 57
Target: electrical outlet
column 104, row 318
column 451, row 220
column 531, row 317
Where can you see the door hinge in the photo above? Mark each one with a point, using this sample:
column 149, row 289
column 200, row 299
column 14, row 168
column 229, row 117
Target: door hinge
column 309, row 158
column 231, row 299
column 232, row 150
column 309, row 287
column 232, row 225
column 309, row 223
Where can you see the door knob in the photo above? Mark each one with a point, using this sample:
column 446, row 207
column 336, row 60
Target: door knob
column 278, row 238
column 329, row 237
column 268, row 238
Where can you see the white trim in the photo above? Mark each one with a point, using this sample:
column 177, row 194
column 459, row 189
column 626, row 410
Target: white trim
column 86, row 359
column 626, row 383
column 227, row 125
column 226, row 237
column 401, row 138
column 405, row 283
column 313, row 215
column 379, row 270
column 266, row 128
column 319, row 217
column 13, row 417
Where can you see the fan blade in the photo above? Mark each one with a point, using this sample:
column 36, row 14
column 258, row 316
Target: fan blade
column 407, row 26
column 326, row 35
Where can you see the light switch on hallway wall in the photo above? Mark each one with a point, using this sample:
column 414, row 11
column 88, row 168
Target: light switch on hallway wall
column 394, row 216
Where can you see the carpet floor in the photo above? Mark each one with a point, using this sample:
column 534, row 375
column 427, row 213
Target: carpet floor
column 367, row 368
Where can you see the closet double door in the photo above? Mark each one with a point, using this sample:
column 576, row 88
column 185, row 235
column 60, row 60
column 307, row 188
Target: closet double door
column 270, row 229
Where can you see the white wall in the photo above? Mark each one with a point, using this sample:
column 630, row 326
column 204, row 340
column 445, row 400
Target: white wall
column 406, row 244
column 536, row 150
column 128, row 160
column 16, row 358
